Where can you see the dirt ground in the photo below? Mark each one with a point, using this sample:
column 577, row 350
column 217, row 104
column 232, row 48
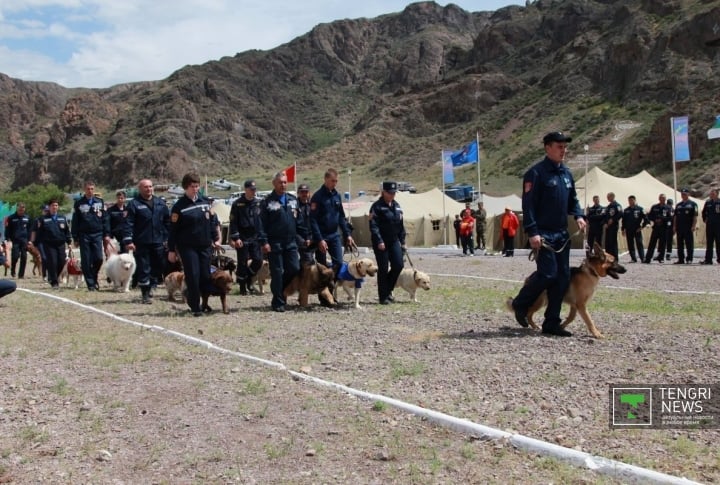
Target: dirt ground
column 90, row 395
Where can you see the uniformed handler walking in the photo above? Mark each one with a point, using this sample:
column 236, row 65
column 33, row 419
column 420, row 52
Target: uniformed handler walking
column 244, row 221
column 596, row 220
column 388, row 240
column 684, row 225
column 613, row 214
column 549, row 196
column 326, row 217
column 118, row 219
column 53, row 232
column 90, row 228
column 17, row 229
column 711, row 217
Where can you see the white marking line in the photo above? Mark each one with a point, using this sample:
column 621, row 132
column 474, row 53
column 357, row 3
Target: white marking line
column 578, row 458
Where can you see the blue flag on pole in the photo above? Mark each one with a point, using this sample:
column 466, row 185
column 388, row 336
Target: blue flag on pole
column 448, row 171
column 465, row 156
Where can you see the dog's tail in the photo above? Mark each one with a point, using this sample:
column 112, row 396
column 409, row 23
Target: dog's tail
column 508, row 304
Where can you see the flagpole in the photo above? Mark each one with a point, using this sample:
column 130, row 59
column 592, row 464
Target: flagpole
column 477, row 139
column 442, row 184
column 296, row 175
column 672, row 138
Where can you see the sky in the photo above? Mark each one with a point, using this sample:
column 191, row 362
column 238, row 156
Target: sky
column 100, row 43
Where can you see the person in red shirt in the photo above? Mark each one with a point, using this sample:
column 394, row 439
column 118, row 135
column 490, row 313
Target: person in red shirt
column 467, row 228
column 509, row 224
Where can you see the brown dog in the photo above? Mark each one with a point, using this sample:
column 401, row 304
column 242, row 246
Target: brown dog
column 583, row 282
column 261, row 277
column 312, row 279
column 221, row 285
column 36, row 260
column 174, row 283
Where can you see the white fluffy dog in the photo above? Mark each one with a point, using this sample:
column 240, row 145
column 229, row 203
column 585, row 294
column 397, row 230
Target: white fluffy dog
column 351, row 276
column 410, row 280
column 119, row 269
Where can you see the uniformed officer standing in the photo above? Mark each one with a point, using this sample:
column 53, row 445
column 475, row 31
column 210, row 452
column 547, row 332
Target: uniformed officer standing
column 244, row 221
column 118, row 219
column 669, row 232
column 633, row 221
column 306, row 247
column 148, row 228
column 596, row 220
column 685, row 223
column 53, row 232
column 17, row 229
column 326, row 217
column 193, row 235
column 388, row 240
column 549, row 196
column 90, row 228
column 613, row 214
column 660, row 215
column 277, row 235
column 711, row 217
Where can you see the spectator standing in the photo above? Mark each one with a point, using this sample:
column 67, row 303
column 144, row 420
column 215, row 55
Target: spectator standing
column 388, row 239
column 467, row 227
column 456, row 226
column 596, row 215
column 53, row 232
column 480, row 225
column 711, row 217
column 117, row 213
column 90, row 228
column 326, row 217
column 549, row 196
column 633, row 221
column 244, row 222
column 660, row 216
column 147, row 231
column 509, row 224
column 612, row 224
column 684, row 225
column 17, row 230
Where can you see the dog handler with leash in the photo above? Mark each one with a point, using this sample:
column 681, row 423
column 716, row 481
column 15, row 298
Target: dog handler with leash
column 549, row 196
column 388, row 240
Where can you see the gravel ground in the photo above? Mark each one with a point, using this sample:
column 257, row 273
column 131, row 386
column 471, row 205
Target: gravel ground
column 89, row 399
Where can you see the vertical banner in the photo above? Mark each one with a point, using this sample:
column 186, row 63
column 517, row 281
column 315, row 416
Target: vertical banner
column 714, row 132
column 680, row 139
column 448, row 170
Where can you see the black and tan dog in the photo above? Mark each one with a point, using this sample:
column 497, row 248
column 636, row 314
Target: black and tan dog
column 583, row 282
column 313, row 279
column 220, row 285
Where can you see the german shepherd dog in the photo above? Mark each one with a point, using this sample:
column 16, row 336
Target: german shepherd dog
column 313, row 278
column 583, row 282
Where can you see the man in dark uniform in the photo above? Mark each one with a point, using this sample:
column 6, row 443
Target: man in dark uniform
column 596, row 220
column 456, row 226
column 613, row 214
column 669, row 232
column 90, row 228
column 53, row 232
column 549, row 196
column 711, row 217
column 305, row 244
column 277, row 235
column 244, row 221
column 148, row 227
column 193, row 235
column 660, row 216
column 326, row 217
column 118, row 219
column 388, row 240
column 633, row 221
column 684, row 225
column 17, row 229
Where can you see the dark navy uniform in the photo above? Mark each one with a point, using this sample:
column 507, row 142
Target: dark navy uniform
column 669, row 231
column 549, row 196
column 148, row 228
column 613, row 214
column 711, row 217
column 307, row 252
column 633, row 220
column 387, row 228
column 279, row 221
column 660, row 214
column 244, row 221
column 326, row 217
column 686, row 213
column 118, row 224
column 192, row 233
column 53, row 233
column 90, row 225
column 17, row 230
column 596, row 219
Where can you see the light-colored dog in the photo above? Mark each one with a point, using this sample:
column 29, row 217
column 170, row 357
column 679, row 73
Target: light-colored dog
column 71, row 269
column 411, row 279
column 119, row 269
column 261, row 277
column 351, row 276
column 174, row 284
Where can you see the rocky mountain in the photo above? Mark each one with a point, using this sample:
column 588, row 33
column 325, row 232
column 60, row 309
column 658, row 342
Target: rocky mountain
column 386, row 95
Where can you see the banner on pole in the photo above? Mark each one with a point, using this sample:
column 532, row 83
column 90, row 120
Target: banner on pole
column 448, row 169
column 714, row 132
column 681, row 141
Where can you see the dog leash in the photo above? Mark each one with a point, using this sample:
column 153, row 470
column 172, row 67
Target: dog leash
column 352, row 250
column 407, row 255
column 532, row 256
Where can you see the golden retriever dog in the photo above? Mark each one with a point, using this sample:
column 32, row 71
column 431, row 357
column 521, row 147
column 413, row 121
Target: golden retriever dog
column 352, row 275
column 220, row 285
column 261, row 278
column 174, row 284
column 411, row 279
column 119, row 269
column 313, row 279
column 583, row 282
column 71, row 269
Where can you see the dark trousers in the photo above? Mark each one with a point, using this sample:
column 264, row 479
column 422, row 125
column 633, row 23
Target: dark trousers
column 467, row 244
column 685, row 242
column 150, row 260
column 634, row 239
column 284, row 265
column 658, row 237
column 7, row 287
column 669, row 241
column 480, row 236
column 55, row 256
column 552, row 275
column 335, row 250
column 457, row 238
column 196, row 267
column 712, row 236
column 91, row 257
column 611, row 244
column 249, row 259
column 595, row 235
column 19, row 252
column 390, row 264
column 508, row 244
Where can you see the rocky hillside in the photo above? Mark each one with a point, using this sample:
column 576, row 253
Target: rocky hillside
column 386, row 95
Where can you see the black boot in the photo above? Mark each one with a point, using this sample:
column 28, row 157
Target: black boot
column 243, row 286
column 146, row 298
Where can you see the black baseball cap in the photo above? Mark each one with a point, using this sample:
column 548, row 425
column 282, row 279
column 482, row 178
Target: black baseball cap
column 558, row 136
column 389, row 186
column 685, row 190
column 303, row 188
column 249, row 184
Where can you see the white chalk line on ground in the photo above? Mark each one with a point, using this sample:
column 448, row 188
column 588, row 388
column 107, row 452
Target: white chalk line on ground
column 578, row 458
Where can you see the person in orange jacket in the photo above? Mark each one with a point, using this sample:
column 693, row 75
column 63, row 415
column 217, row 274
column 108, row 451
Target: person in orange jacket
column 509, row 224
column 467, row 228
